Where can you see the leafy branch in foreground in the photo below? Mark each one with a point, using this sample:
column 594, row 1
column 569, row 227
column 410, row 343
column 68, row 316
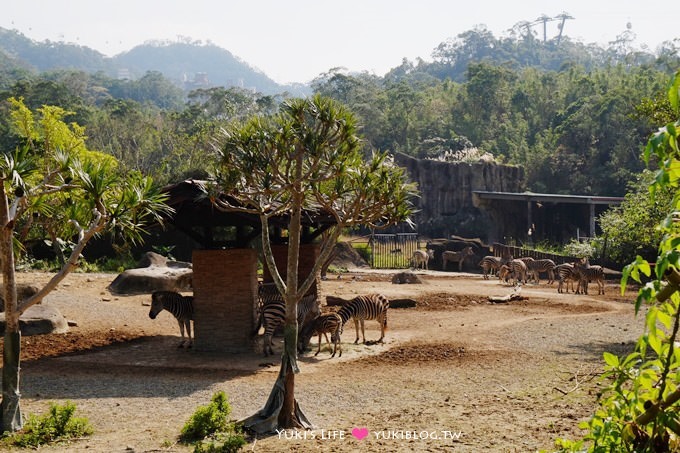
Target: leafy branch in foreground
column 638, row 410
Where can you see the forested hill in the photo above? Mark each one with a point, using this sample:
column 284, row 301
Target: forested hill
column 188, row 64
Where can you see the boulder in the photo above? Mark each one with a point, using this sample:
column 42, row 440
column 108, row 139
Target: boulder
column 39, row 320
column 24, row 291
column 405, row 277
column 156, row 273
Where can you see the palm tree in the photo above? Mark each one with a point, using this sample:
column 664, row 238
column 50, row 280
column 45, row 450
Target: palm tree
column 52, row 175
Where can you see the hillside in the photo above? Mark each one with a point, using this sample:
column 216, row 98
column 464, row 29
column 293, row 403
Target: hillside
column 188, row 65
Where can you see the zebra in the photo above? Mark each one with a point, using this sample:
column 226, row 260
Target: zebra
column 535, row 267
column 420, row 258
column 489, row 263
column 565, row 274
column 518, row 269
column 587, row 273
column 372, row 306
column 181, row 307
column 322, row 324
column 273, row 314
column 460, row 257
column 503, row 272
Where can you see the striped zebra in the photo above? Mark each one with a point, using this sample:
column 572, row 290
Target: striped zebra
column 323, row 324
column 181, row 307
column 490, row 263
column 273, row 314
column 504, row 273
column 587, row 273
column 536, row 267
column 518, row 270
column 565, row 274
column 420, row 258
column 460, row 257
column 372, row 306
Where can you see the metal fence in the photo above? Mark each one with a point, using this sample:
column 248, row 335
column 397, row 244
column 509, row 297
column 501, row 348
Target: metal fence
column 393, row 251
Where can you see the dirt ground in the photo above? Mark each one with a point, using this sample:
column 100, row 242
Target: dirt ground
column 456, row 372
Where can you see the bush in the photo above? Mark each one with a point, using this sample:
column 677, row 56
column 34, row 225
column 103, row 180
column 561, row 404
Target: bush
column 209, row 426
column 221, row 443
column 58, row 424
column 579, row 249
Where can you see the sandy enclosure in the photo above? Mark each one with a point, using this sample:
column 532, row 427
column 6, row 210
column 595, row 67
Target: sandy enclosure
column 456, row 373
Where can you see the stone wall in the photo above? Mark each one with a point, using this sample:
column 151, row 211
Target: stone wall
column 445, row 206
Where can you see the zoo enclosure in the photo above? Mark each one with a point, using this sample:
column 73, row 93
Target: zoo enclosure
column 392, row 251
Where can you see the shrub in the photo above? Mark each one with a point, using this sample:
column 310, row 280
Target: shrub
column 58, row 424
column 210, row 428
column 221, row 443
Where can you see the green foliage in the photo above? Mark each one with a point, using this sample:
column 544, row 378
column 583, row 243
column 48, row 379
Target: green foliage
column 579, row 249
column 221, row 443
column 632, row 229
column 58, row 425
column 210, row 430
column 638, row 408
column 207, row 420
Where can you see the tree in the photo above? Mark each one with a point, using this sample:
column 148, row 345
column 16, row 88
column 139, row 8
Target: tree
column 632, row 228
column 307, row 158
column 638, row 409
column 52, row 177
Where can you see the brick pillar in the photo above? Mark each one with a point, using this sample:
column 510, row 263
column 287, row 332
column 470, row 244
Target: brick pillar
column 225, row 291
column 308, row 256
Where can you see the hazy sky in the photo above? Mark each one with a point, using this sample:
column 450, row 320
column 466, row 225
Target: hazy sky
column 296, row 40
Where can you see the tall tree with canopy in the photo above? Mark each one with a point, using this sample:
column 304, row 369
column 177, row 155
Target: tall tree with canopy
column 52, row 178
column 307, row 158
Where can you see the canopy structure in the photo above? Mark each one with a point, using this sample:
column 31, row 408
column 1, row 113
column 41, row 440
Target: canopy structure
column 196, row 215
column 554, row 215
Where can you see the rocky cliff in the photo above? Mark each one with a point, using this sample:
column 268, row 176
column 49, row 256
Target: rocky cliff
column 445, row 206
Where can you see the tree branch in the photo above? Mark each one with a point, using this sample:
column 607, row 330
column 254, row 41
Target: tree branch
column 98, row 223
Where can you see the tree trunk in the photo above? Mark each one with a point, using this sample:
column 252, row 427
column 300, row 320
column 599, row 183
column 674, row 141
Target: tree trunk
column 11, row 411
column 282, row 410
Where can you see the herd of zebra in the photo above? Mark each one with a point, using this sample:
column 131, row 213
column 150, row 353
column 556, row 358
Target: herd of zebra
column 523, row 270
column 311, row 321
column 272, row 311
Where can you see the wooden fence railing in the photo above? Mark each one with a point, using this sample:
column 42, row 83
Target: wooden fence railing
column 503, row 250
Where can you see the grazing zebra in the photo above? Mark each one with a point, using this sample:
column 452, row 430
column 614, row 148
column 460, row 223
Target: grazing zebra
column 372, row 306
column 323, row 324
column 587, row 273
column 535, row 267
column 460, row 257
column 518, row 270
column 181, row 307
column 565, row 274
column 420, row 258
column 490, row 263
column 273, row 314
column 503, row 273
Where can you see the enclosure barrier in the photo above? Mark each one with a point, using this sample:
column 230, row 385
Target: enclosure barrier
column 502, row 250
column 392, row 251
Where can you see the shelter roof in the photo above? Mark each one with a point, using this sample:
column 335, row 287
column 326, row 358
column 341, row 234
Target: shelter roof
column 196, row 214
column 547, row 197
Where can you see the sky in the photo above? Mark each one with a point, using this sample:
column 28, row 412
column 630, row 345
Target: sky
column 297, row 40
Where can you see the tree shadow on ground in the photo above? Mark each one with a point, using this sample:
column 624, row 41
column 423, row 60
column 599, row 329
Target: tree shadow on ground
column 142, row 367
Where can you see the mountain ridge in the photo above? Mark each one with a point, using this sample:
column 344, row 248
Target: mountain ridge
column 189, row 64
